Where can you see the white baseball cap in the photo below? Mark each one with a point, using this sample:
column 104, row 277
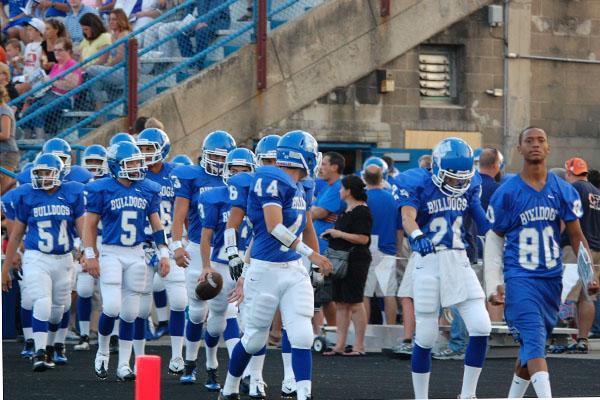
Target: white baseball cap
column 38, row 25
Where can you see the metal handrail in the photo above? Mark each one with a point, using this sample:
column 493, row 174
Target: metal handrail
column 7, row 173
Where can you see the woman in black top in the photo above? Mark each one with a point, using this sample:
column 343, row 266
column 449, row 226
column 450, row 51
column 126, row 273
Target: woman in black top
column 352, row 232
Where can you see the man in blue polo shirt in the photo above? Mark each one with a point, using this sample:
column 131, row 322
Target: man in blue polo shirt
column 71, row 21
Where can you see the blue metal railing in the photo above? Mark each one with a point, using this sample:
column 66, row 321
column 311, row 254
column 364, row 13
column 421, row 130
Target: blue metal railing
column 7, row 173
column 122, row 100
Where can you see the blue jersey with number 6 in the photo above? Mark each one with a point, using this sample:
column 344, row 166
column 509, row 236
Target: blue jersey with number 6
column 239, row 186
column 50, row 218
column 530, row 221
column 272, row 186
column 213, row 208
column 123, row 210
column 440, row 217
column 167, row 196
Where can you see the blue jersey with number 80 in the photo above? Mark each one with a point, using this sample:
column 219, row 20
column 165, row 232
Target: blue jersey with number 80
column 50, row 218
column 530, row 221
column 123, row 210
column 272, row 186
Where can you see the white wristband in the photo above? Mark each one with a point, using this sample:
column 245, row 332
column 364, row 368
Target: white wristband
column 176, row 245
column 89, row 253
column 304, row 250
column 283, row 235
column 245, row 270
column 232, row 251
column 164, row 252
column 416, row 233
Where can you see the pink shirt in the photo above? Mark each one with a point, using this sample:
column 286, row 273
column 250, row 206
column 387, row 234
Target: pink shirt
column 58, row 69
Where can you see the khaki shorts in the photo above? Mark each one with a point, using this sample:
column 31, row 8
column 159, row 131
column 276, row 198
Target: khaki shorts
column 9, row 160
column 570, row 258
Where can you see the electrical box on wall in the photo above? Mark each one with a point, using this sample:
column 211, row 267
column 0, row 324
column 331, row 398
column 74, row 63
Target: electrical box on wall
column 495, row 15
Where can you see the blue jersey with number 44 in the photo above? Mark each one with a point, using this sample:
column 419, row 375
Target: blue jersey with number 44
column 272, row 186
column 123, row 210
column 530, row 222
column 50, row 218
column 167, row 197
column 440, row 217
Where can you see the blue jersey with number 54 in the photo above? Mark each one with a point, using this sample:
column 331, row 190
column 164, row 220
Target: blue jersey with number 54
column 123, row 210
column 50, row 218
column 272, row 186
column 440, row 217
column 530, row 222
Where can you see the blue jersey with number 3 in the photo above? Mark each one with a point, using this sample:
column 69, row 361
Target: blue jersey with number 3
column 272, row 186
column 440, row 217
column 189, row 181
column 50, row 218
column 167, row 197
column 530, row 222
column 123, row 210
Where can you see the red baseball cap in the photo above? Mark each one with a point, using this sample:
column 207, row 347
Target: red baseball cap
column 577, row 166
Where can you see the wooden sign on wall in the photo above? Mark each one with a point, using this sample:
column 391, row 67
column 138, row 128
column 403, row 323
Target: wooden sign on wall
column 428, row 139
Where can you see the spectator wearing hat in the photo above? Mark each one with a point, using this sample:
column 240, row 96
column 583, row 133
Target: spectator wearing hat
column 577, row 175
column 33, row 57
column 71, row 21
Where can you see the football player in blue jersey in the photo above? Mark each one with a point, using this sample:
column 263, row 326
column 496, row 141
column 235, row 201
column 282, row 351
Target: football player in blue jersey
column 122, row 203
column 433, row 208
column 155, row 145
column 48, row 211
column 523, row 244
column 24, row 176
column 94, row 159
column 277, row 209
column 182, row 159
column 121, row 137
column 189, row 182
column 214, row 207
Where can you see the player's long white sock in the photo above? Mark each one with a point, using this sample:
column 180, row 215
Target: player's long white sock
column 469, row 385
column 230, row 344
column 61, row 335
column 162, row 313
column 541, row 383
column 28, row 333
column 139, row 347
column 103, row 344
column 518, row 387
column 176, row 346
column 40, row 339
column 211, row 357
column 303, row 389
column 124, row 351
column 288, row 372
column 255, row 366
column 84, row 327
column 115, row 331
column 232, row 384
column 51, row 338
column 421, row 384
column 191, row 350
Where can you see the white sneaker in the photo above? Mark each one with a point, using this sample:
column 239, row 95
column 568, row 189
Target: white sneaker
column 257, row 389
column 176, row 366
column 288, row 388
column 124, row 373
column 101, row 365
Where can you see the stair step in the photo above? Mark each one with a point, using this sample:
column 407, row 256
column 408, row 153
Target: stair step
column 227, row 50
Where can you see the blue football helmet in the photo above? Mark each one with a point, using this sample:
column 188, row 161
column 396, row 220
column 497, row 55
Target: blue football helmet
column 120, row 156
column 62, row 149
column 379, row 163
column 240, row 157
column 452, row 166
column 267, row 148
column 95, row 152
column 121, row 137
column 299, row 149
column 159, row 140
column 55, row 171
column 217, row 143
column 182, row 159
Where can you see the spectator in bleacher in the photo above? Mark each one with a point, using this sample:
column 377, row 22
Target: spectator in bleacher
column 14, row 23
column 594, row 179
column 71, row 21
column 352, row 233
column 204, row 32
column 33, row 57
column 140, row 12
column 46, row 9
column 119, row 27
column 95, row 39
column 54, row 29
column 577, row 175
column 14, row 56
column 425, row 162
column 9, row 152
column 64, row 60
column 7, row 84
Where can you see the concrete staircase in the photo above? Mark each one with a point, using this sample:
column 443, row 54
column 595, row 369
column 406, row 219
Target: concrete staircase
column 333, row 45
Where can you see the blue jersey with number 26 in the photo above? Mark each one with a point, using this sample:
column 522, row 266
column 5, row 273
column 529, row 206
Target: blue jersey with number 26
column 440, row 217
column 50, row 218
column 272, row 186
column 530, row 222
column 123, row 210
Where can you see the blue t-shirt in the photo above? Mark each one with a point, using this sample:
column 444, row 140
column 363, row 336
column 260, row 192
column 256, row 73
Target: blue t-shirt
column 14, row 7
column 272, row 186
column 213, row 208
column 385, row 212
column 488, row 187
column 441, row 217
column 167, row 197
column 53, row 12
column 189, row 181
column 530, row 223
column 123, row 210
column 328, row 199
column 50, row 218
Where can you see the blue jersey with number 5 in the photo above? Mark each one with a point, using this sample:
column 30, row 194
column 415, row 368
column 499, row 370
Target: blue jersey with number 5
column 440, row 217
column 50, row 218
column 167, row 197
column 123, row 210
column 272, row 186
column 530, row 222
